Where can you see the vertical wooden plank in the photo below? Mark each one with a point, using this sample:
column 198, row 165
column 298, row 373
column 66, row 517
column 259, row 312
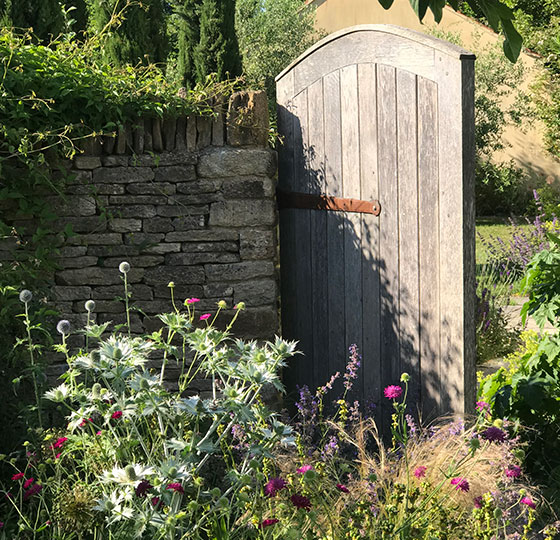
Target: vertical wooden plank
column 428, row 239
column 408, row 312
column 288, row 299
column 302, row 246
column 351, row 188
column 371, row 345
column 388, row 225
column 335, row 231
column 318, row 224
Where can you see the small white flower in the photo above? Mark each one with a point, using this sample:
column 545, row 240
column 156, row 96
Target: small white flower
column 124, row 267
column 129, row 475
column 90, row 305
column 58, row 394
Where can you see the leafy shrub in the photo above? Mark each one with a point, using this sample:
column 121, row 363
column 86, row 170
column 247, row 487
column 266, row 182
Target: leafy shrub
column 500, row 189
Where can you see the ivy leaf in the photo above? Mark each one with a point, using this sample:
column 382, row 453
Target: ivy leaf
column 437, row 9
column 420, row 7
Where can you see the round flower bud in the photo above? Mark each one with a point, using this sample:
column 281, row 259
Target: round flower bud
column 90, row 305
column 96, row 391
column 124, row 267
column 192, row 506
column 405, row 377
column 25, row 296
column 240, row 306
column 171, row 284
column 63, row 327
column 222, row 304
column 173, row 472
column 215, row 492
column 130, row 473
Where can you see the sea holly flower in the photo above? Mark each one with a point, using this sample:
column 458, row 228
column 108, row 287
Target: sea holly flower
column 420, row 472
column 274, row 485
column 18, row 476
column 127, row 475
column 58, row 394
column 268, row 522
column 460, row 484
column 393, row 392
column 528, row 502
column 301, row 502
column 304, row 468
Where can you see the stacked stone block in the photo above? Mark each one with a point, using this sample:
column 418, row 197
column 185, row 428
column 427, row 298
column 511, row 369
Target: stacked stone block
column 201, row 214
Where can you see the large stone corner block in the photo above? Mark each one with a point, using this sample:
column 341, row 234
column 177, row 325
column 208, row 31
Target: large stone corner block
column 228, row 162
column 247, row 119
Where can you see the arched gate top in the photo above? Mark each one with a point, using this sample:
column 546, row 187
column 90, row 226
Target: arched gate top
column 390, row 32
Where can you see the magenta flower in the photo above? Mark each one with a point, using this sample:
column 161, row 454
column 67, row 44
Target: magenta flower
column 301, row 502
column 33, row 490
column 176, row 487
column 482, row 406
column 58, row 455
column 528, row 501
column 84, row 421
column 205, row 316
column 304, row 468
column 343, row 488
column 393, row 392
column 116, row 415
column 513, row 471
column 142, row 488
column 18, row 476
column 192, row 300
column 420, row 471
column 28, row 482
column 59, row 443
column 478, row 501
column 460, row 484
column 274, row 485
column 268, row 522
column 157, row 503
column 1, row 524
column 494, row 434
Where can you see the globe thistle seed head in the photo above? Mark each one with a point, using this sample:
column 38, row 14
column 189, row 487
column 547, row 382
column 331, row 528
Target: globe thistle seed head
column 90, row 305
column 124, row 267
column 25, row 296
column 63, row 327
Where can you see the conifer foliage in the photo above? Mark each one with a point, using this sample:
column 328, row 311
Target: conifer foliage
column 140, row 36
column 207, row 40
column 45, row 17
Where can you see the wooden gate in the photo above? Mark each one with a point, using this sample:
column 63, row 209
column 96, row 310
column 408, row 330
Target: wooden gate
column 381, row 115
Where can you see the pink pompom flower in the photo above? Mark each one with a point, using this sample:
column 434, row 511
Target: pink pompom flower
column 513, row 471
column 301, row 502
column 274, row 485
column 304, row 468
column 205, row 316
column 192, row 300
column 420, row 471
column 268, row 522
column 176, row 487
column 393, row 392
column 18, row 476
column 116, row 415
column 28, row 482
column 528, row 502
column 460, row 483
column 343, row 488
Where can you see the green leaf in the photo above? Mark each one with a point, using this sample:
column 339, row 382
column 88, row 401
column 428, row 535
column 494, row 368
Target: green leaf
column 386, row 3
column 513, row 42
column 553, row 238
column 437, row 9
column 420, row 7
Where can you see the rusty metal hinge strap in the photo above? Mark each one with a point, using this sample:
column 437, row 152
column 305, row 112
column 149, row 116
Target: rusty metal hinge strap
column 325, row 202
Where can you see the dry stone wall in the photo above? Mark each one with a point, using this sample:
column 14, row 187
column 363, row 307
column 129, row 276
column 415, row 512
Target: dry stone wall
column 200, row 212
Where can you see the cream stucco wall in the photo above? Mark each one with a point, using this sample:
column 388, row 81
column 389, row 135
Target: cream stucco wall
column 525, row 146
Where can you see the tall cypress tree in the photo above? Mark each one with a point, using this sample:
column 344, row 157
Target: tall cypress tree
column 218, row 49
column 188, row 37
column 140, row 36
column 45, row 17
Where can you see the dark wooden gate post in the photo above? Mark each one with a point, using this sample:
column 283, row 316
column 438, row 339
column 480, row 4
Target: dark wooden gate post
column 382, row 115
